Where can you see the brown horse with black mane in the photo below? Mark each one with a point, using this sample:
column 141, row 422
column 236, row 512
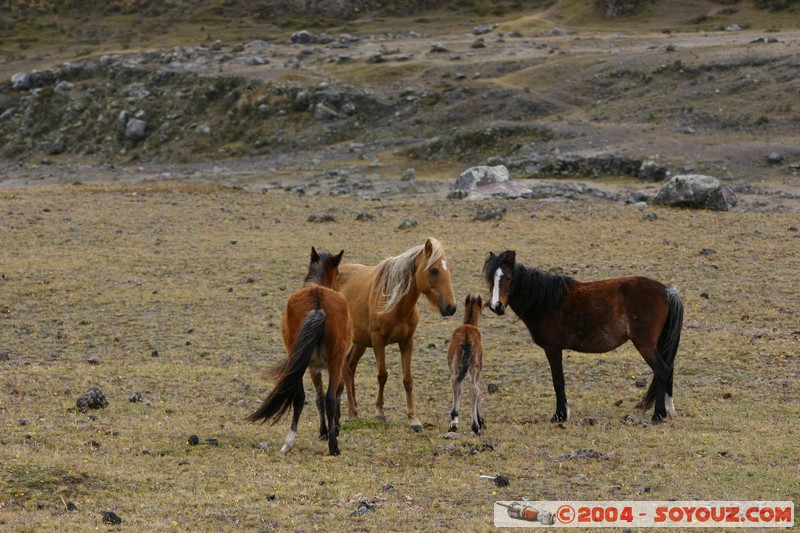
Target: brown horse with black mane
column 317, row 332
column 383, row 305
column 595, row 317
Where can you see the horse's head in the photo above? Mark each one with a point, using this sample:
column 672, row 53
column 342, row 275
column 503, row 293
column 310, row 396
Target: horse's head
column 433, row 278
column 473, row 307
column 497, row 270
column 324, row 269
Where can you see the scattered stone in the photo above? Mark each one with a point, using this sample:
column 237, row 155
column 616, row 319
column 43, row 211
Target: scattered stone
column 707, row 251
column 793, row 228
column 408, row 224
column 478, row 43
column 775, row 158
column 321, row 218
column 362, row 509
column 194, row 440
column 727, row 396
column 485, row 447
column 438, row 49
column 409, row 175
column 492, row 388
column 482, row 29
column 136, row 397
column 211, row 442
column 650, row 216
column 93, row 399
column 23, row 422
column 704, row 295
column 696, row 191
column 262, row 445
column 641, row 382
column 688, row 130
column 71, row 506
column 364, row 217
column 64, row 86
column 484, row 214
column 154, row 353
column 387, row 488
column 110, row 517
column 500, row 480
column 325, row 113
column 652, row 171
column 452, row 435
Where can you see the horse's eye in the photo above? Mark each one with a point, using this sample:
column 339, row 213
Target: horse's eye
column 434, row 271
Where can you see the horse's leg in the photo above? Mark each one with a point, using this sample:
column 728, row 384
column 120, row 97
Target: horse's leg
column 481, row 420
column 406, row 349
column 330, row 407
column 297, row 408
column 456, row 400
column 475, row 396
column 339, row 406
column 661, row 375
column 316, row 379
column 557, row 371
column 383, row 375
column 356, row 351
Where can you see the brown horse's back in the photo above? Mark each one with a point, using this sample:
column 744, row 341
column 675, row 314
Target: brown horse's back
column 338, row 326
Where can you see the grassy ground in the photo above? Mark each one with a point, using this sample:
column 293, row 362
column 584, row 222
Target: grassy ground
column 176, row 293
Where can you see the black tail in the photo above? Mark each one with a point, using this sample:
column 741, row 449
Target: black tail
column 466, row 357
column 667, row 345
column 288, row 374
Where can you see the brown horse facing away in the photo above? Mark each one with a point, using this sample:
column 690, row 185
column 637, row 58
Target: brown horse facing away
column 383, row 306
column 317, row 332
column 595, row 317
column 464, row 354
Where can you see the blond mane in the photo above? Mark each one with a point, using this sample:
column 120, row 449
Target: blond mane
column 394, row 275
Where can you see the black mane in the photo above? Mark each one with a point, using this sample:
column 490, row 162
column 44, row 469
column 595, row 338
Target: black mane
column 318, row 270
column 533, row 292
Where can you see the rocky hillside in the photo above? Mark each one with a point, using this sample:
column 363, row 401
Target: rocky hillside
column 544, row 99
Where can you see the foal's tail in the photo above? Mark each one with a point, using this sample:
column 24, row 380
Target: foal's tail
column 667, row 344
column 466, row 357
column 288, row 374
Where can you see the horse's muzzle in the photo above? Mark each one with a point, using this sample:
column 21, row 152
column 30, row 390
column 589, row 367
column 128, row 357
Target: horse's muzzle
column 448, row 310
column 498, row 309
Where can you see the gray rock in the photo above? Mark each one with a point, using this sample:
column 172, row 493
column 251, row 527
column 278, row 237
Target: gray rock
column 323, row 112
column 64, row 86
column 652, row 171
column 303, row 37
column 481, row 176
column 409, row 175
column 408, row 224
column 93, row 399
column 696, row 191
column 136, row 129
column 20, row 81
column 775, row 158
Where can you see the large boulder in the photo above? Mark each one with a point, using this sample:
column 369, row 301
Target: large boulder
column 481, row 176
column 696, row 191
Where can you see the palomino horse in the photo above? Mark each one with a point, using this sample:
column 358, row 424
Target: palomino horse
column 595, row 317
column 465, row 353
column 317, row 332
column 383, row 305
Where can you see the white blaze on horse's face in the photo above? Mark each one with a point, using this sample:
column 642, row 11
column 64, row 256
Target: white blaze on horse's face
column 444, row 265
column 496, row 305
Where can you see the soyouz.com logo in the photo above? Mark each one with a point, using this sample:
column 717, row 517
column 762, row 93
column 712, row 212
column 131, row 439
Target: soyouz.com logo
column 748, row 514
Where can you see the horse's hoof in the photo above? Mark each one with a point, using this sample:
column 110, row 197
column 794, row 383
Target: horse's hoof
column 558, row 418
column 323, row 436
column 285, row 449
column 476, row 430
column 453, row 427
column 416, row 427
column 335, row 451
column 658, row 419
column 482, row 423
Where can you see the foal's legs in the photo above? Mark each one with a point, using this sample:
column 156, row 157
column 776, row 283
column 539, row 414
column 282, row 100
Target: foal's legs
column 475, row 396
column 557, row 371
column 456, row 399
column 406, row 349
column 316, row 379
column 356, row 351
column 297, row 408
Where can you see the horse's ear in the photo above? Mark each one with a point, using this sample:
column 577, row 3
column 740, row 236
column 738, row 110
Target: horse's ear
column 314, row 255
column 466, row 302
column 428, row 248
column 338, row 258
column 480, row 302
column 510, row 257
